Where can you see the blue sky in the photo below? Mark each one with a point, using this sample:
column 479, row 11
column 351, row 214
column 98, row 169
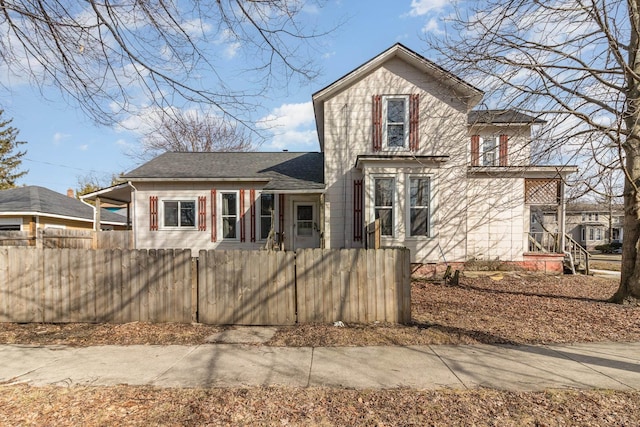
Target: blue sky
column 63, row 145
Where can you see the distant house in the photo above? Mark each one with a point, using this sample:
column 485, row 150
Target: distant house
column 31, row 208
column 404, row 157
column 590, row 224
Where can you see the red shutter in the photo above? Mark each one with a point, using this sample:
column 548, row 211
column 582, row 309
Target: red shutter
column 252, row 197
column 475, row 150
column 153, row 213
column 281, row 217
column 414, row 120
column 214, row 224
column 504, row 152
column 242, row 227
column 377, row 123
column 357, row 211
column 202, row 213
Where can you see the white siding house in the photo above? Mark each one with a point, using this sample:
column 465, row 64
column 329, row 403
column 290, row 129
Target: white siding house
column 400, row 143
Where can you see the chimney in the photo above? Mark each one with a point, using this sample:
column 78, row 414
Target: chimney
column 70, row 192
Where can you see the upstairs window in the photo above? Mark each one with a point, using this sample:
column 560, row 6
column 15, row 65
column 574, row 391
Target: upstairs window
column 489, row 151
column 179, row 213
column 396, row 119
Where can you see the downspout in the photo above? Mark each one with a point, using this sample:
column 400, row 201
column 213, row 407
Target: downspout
column 562, row 229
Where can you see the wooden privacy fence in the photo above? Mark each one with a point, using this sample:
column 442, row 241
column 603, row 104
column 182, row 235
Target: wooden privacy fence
column 72, row 285
column 69, row 239
column 218, row 287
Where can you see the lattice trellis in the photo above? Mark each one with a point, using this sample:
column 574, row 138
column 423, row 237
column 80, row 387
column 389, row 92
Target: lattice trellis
column 542, row 191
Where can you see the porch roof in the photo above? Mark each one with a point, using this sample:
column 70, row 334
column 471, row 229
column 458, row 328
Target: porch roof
column 281, row 171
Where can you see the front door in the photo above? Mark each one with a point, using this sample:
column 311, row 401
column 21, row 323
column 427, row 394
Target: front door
column 306, row 233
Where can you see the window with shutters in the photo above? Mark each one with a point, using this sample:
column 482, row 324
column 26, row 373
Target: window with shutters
column 489, row 147
column 179, row 213
column 229, row 209
column 395, row 113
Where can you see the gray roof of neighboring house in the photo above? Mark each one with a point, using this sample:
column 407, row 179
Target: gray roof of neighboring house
column 283, row 170
column 501, row 117
column 34, row 199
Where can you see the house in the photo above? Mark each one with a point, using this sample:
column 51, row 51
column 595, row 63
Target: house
column 31, row 208
column 402, row 149
column 590, row 224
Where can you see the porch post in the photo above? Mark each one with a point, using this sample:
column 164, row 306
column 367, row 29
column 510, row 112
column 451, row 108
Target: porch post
column 562, row 217
column 96, row 222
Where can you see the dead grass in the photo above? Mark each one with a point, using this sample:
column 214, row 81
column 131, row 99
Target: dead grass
column 605, row 265
column 138, row 406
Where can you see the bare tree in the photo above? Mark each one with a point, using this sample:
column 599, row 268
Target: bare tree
column 575, row 62
column 191, row 131
column 108, row 56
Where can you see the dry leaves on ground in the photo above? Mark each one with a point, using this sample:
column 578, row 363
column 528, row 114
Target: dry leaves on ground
column 519, row 308
column 89, row 406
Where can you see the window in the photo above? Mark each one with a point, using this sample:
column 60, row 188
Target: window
column 267, row 207
column 396, row 119
column 590, row 216
column 10, row 224
column 383, row 204
column 179, row 213
column 489, row 151
column 229, row 215
column 419, row 194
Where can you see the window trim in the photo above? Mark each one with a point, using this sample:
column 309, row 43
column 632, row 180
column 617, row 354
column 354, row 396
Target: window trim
column 259, row 216
column 179, row 201
column 394, row 202
column 220, row 217
column 385, row 124
column 408, row 234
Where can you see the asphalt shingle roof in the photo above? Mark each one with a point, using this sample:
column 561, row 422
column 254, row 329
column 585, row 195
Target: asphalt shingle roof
column 500, row 117
column 44, row 201
column 282, row 170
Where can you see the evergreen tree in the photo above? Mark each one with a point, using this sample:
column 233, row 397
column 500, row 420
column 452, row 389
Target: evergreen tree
column 10, row 158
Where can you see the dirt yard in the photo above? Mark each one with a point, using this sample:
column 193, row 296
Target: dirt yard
column 503, row 308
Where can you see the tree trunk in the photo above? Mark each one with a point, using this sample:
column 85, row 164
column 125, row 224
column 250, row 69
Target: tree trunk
column 629, row 290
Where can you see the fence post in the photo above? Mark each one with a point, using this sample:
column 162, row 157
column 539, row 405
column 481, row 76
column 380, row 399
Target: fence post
column 194, row 290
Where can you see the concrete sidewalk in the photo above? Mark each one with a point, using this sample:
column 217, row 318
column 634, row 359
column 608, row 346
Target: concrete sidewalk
column 517, row 368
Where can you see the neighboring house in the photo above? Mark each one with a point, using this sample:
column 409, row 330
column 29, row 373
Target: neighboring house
column 399, row 144
column 590, row 224
column 31, row 208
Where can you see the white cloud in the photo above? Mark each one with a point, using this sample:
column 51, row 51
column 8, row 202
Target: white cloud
column 432, row 26
column 292, row 127
column 58, row 137
column 83, row 147
column 422, row 7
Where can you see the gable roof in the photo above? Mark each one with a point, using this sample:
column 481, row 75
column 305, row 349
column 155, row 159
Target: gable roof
column 35, row 200
column 280, row 170
column 402, row 52
column 501, row 117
